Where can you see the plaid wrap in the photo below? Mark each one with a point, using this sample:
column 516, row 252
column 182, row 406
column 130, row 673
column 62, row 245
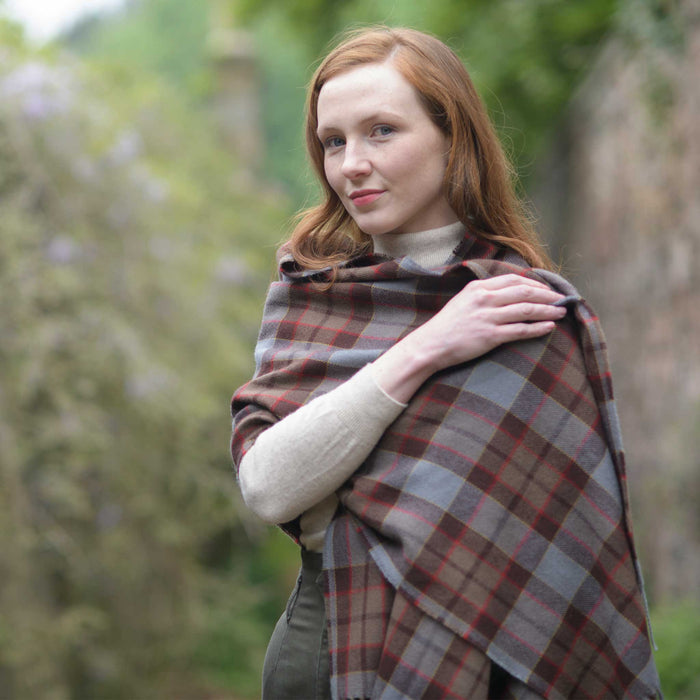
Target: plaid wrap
column 492, row 513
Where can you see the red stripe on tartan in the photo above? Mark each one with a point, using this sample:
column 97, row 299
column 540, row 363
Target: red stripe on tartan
column 300, row 377
column 398, row 454
column 583, row 494
column 463, row 456
column 364, row 647
column 278, row 400
column 428, row 299
column 506, row 461
column 543, row 368
column 456, row 594
column 400, row 662
column 605, row 681
column 482, row 614
column 455, row 675
column 371, row 499
column 622, row 671
column 518, row 443
column 349, row 613
column 315, row 327
column 351, row 591
column 406, row 435
column 304, row 307
column 540, row 512
column 269, row 363
column 350, row 317
column 579, row 636
column 393, row 627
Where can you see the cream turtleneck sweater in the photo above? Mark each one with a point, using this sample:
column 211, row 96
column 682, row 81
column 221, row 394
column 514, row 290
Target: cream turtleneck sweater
column 296, row 466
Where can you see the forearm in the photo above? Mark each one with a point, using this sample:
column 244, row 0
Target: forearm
column 309, row 454
column 404, row 367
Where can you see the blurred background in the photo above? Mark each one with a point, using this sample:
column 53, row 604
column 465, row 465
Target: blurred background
column 150, row 161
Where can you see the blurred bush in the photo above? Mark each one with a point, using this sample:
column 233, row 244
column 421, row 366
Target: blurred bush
column 132, row 267
column 677, row 633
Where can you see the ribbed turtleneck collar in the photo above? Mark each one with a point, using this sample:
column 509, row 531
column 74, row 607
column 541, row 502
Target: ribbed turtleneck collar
column 428, row 248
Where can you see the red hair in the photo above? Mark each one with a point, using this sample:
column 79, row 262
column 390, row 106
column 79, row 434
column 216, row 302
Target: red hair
column 478, row 178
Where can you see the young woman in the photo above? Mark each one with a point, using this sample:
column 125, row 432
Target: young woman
column 431, row 416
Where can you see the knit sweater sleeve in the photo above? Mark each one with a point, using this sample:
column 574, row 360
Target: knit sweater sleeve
column 299, row 461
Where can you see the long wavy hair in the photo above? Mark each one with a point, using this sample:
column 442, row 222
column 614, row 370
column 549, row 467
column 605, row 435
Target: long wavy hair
column 479, row 179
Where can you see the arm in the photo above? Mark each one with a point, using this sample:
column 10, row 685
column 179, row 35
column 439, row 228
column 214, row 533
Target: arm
column 308, row 455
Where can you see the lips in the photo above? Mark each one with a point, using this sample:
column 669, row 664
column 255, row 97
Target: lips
column 361, row 198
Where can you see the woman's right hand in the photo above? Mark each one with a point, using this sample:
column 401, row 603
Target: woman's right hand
column 485, row 314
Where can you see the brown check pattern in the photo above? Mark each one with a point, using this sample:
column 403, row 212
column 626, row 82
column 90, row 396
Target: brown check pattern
column 491, row 520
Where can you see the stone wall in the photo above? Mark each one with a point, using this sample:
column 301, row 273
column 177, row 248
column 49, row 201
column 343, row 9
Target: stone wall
column 619, row 197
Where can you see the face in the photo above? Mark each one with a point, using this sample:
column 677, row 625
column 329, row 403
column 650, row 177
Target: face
column 383, row 155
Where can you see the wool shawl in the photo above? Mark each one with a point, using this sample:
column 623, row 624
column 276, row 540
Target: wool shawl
column 493, row 512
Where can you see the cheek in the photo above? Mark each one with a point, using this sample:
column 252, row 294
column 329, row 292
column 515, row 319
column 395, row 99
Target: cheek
column 437, row 153
column 427, row 169
column 439, row 161
column 331, row 174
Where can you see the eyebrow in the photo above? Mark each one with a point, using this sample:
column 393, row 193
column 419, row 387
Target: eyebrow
column 375, row 116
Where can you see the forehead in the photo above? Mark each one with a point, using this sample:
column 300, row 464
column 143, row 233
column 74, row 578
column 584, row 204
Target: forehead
column 368, row 88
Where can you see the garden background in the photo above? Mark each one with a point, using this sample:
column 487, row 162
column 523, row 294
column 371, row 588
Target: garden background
column 150, row 162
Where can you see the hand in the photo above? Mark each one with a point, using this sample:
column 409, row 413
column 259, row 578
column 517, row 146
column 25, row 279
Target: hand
column 484, row 315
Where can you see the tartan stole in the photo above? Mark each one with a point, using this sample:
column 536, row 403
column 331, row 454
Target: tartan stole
column 493, row 511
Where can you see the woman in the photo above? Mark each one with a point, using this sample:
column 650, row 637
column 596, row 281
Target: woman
column 431, row 416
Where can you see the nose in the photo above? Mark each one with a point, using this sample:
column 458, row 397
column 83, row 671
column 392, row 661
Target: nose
column 356, row 162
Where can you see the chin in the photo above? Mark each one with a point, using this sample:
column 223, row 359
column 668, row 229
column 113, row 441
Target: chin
column 376, row 229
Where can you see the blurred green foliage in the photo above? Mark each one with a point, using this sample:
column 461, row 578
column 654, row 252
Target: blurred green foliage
column 132, row 262
column 677, row 633
column 153, row 36
column 134, row 256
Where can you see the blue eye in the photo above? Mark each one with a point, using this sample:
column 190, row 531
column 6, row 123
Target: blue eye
column 333, row 142
column 383, row 130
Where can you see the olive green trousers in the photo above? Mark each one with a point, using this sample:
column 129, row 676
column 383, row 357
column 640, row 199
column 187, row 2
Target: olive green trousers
column 297, row 663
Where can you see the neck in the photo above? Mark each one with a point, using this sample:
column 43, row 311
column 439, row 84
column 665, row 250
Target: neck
column 428, row 248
